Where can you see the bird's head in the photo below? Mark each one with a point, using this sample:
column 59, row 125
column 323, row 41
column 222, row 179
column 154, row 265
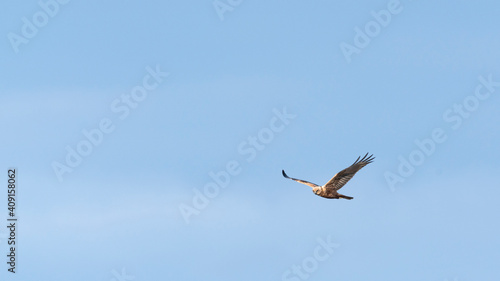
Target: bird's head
column 317, row 190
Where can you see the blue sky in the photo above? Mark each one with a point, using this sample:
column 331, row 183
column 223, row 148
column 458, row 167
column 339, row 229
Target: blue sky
column 241, row 90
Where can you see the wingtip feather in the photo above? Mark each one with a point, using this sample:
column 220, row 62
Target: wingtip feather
column 366, row 159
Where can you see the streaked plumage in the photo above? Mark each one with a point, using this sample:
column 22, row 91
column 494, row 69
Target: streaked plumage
column 329, row 190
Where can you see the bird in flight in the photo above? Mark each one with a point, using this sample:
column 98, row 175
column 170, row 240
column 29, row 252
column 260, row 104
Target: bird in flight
column 329, row 190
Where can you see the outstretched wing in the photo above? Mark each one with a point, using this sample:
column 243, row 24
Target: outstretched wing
column 297, row 180
column 342, row 177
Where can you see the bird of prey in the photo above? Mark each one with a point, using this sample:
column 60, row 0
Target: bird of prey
column 329, row 190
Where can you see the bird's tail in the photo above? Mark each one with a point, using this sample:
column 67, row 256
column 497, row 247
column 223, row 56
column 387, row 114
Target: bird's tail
column 345, row 197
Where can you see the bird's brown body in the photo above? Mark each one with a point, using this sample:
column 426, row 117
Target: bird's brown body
column 329, row 190
column 333, row 194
